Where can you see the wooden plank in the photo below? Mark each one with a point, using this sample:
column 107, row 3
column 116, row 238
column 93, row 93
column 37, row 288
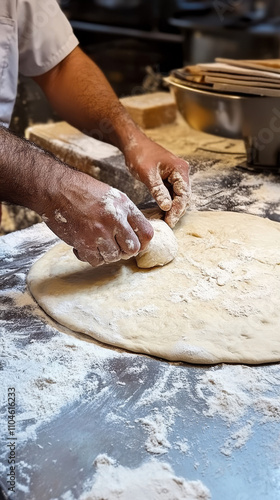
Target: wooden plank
column 151, row 110
column 100, row 160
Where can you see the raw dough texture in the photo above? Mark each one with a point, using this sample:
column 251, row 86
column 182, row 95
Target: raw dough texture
column 217, row 301
column 162, row 248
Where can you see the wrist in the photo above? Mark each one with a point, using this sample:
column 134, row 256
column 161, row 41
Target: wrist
column 125, row 133
column 48, row 193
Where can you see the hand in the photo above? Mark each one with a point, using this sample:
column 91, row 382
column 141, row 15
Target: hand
column 165, row 175
column 100, row 222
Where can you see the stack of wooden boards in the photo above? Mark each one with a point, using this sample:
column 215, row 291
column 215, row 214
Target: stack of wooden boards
column 233, row 76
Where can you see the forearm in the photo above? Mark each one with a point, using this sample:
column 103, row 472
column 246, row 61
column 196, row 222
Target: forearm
column 29, row 176
column 80, row 93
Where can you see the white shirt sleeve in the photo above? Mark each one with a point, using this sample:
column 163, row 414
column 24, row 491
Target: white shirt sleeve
column 45, row 36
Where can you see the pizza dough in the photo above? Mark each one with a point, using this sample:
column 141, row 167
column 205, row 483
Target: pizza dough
column 162, row 248
column 217, row 301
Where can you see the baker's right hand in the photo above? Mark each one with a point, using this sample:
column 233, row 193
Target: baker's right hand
column 100, row 222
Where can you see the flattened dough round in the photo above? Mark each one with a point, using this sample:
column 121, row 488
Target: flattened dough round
column 162, row 248
column 217, row 301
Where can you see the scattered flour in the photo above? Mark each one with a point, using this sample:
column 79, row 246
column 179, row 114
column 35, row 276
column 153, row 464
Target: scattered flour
column 45, row 371
column 58, row 217
column 56, row 370
column 183, row 446
column 242, row 396
column 165, row 389
column 130, row 244
column 157, row 428
column 232, row 391
column 48, row 369
column 237, row 439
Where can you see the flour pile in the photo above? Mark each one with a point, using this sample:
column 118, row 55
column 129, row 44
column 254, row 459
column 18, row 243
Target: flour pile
column 154, row 480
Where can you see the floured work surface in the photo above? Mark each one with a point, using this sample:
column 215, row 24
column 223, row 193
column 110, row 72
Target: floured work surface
column 218, row 301
column 77, row 400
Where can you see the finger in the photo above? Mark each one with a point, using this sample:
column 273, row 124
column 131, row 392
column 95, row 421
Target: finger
column 109, row 249
column 76, row 253
column 141, row 227
column 181, row 201
column 158, row 190
column 93, row 258
column 128, row 242
column 181, row 186
column 177, row 211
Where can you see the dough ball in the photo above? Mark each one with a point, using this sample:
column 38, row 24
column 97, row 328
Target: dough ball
column 162, row 248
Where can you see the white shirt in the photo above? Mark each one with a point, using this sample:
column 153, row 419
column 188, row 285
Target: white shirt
column 34, row 37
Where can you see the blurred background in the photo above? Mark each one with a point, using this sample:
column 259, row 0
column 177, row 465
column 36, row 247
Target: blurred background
column 137, row 42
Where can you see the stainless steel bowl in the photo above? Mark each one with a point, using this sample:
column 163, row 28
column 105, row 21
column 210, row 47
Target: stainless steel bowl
column 254, row 119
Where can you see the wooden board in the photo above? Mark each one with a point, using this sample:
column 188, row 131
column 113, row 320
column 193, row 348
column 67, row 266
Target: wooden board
column 151, row 110
column 98, row 159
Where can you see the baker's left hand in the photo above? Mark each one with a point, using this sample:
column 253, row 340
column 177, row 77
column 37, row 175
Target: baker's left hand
column 165, row 175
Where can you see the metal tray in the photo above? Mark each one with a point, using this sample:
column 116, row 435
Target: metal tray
column 255, row 119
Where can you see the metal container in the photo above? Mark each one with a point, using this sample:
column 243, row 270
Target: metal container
column 255, row 119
